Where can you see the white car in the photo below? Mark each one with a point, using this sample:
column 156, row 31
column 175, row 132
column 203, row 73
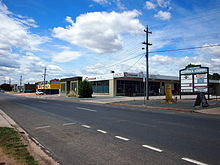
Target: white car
column 39, row 93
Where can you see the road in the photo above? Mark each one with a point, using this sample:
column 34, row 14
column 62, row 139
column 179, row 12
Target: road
column 81, row 133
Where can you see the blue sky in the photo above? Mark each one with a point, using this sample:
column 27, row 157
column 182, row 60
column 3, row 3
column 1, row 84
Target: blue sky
column 92, row 37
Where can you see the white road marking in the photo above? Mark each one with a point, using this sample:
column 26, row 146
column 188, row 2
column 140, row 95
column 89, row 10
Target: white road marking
column 86, row 109
column 47, row 126
column 86, row 126
column 122, row 138
column 101, row 131
column 152, row 148
column 194, row 161
column 65, row 124
column 42, row 101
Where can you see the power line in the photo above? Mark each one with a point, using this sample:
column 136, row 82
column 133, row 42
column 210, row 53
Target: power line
column 135, row 63
column 121, row 61
column 172, row 50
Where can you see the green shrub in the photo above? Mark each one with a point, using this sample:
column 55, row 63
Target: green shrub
column 85, row 89
column 72, row 94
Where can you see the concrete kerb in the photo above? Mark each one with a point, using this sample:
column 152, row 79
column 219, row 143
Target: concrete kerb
column 152, row 107
column 38, row 151
column 113, row 102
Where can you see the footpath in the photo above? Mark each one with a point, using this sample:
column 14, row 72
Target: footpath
column 186, row 104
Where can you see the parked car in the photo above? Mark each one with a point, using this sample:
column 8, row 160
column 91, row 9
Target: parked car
column 2, row 91
column 39, row 93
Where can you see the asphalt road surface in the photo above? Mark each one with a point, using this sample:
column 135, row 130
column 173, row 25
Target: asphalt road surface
column 80, row 133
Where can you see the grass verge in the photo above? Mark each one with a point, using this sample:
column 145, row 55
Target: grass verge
column 11, row 144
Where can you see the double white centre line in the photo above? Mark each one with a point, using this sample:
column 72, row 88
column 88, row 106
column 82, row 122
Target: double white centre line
column 86, row 109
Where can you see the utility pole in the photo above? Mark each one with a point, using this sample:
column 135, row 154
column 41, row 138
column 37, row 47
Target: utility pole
column 9, row 81
column 147, row 67
column 20, row 80
column 20, row 88
column 45, row 73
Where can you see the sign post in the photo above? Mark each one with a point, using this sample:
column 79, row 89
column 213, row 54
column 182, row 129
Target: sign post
column 194, row 80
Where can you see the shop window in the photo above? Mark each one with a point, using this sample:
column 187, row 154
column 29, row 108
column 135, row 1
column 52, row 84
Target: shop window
column 74, row 86
column 100, row 86
column 62, row 87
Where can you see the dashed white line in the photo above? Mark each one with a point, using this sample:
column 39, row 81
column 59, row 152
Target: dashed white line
column 47, row 126
column 65, row 124
column 101, row 131
column 42, row 101
column 122, row 138
column 86, row 126
column 194, row 161
column 86, row 109
column 152, row 148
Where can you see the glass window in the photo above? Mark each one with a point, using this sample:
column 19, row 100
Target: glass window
column 100, row 86
column 62, row 87
column 74, row 86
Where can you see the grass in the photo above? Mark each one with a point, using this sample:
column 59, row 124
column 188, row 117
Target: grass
column 11, row 143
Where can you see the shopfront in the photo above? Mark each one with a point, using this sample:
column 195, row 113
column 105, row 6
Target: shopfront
column 131, row 84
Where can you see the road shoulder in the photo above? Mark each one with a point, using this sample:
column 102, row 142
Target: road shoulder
column 34, row 147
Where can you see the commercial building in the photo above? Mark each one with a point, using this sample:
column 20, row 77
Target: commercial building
column 30, row 88
column 131, row 84
column 51, row 87
column 70, row 85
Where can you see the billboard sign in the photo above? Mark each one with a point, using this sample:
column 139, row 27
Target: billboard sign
column 194, row 79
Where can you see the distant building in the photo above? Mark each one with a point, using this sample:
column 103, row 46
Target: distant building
column 30, row 88
column 51, row 87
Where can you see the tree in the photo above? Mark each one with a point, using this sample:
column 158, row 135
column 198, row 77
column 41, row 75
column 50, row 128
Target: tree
column 6, row 87
column 85, row 89
column 214, row 76
column 190, row 65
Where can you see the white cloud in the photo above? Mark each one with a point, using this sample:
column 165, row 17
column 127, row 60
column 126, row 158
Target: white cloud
column 150, row 5
column 163, row 15
column 211, row 50
column 66, row 56
column 14, row 31
column 120, row 5
column 163, row 3
column 15, row 40
column 96, row 69
column 100, row 31
column 69, row 19
column 100, row 1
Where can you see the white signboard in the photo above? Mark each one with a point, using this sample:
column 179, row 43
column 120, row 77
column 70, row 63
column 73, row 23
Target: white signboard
column 200, row 83
column 186, row 83
column 194, row 70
